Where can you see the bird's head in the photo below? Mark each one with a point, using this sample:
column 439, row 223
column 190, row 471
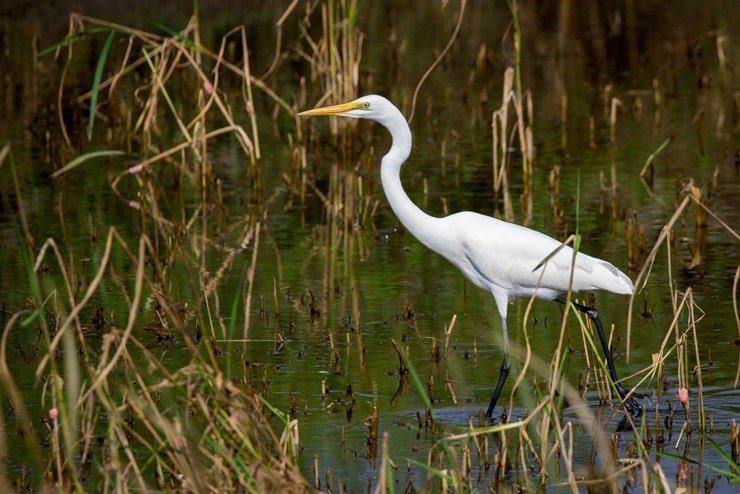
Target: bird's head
column 371, row 107
column 382, row 111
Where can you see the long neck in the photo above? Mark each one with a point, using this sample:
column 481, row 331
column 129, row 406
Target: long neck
column 416, row 221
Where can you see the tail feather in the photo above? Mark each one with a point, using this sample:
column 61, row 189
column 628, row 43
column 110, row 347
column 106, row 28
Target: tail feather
column 619, row 283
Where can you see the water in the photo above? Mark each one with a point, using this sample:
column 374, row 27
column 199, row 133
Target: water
column 339, row 306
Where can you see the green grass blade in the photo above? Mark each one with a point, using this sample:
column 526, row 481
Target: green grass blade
column 68, row 40
column 96, row 82
column 85, row 157
column 178, row 35
column 653, row 155
column 731, row 476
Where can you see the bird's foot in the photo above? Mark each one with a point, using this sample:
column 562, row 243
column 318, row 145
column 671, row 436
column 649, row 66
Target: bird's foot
column 633, row 407
column 632, row 402
column 502, row 418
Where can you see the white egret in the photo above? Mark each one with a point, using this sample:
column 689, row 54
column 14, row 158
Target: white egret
column 499, row 257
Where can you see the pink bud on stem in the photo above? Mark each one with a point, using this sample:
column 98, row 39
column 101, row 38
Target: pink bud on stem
column 683, row 396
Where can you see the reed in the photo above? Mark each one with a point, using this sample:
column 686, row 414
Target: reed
column 115, row 411
column 198, row 427
column 503, row 139
column 173, row 62
column 170, row 414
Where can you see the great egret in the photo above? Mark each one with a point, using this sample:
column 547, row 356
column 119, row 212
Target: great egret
column 495, row 255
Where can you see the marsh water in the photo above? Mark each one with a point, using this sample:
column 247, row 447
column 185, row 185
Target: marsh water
column 314, row 329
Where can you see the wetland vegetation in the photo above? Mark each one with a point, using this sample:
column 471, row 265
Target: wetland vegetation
column 203, row 293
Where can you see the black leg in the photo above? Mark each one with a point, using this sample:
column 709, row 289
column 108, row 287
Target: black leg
column 499, row 385
column 504, row 373
column 631, row 404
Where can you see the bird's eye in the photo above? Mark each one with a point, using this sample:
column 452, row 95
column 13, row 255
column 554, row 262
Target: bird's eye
column 365, row 105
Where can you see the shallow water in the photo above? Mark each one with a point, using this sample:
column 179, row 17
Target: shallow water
column 360, row 287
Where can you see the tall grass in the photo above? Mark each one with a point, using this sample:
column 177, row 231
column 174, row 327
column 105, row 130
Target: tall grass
column 198, row 428
column 115, row 412
column 201, row 427
column 513, row 96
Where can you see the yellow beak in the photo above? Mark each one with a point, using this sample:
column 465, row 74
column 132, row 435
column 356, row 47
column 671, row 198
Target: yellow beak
column 329, row 110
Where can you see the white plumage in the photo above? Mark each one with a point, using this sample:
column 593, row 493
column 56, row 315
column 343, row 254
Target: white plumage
column 499, row 257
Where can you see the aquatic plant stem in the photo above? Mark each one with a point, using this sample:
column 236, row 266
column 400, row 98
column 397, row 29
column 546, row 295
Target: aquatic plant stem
column 437, row 60
column 96, row 82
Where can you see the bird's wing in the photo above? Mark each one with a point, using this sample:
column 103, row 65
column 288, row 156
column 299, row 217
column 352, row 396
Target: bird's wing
column 508, row 255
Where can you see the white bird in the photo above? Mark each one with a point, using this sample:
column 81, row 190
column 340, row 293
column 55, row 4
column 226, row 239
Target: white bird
column 502, row 258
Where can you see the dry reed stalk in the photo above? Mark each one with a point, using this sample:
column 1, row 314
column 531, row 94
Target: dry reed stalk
column 163, row 56
column 438, row 59
column 139, row 406
column 613, row 113
column 642, row 277
column 386, row 465
column 173, row 433
column 77, row 25
column 734, row 440
column 682, row 306
column 696, row 371
column 335, row 58
column 566, row 452
column 658, row 98
column 448, row 334
column 540, row 414
column 500, row 148
column 645, row 271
